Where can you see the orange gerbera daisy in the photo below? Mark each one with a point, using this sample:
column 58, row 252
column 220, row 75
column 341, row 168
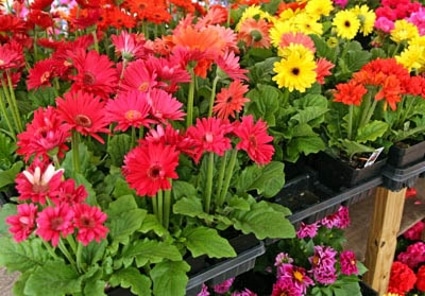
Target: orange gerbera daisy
column 350, row 93
column 230, row 101
column 255, row 33
column 297, row 38
column 323, row 69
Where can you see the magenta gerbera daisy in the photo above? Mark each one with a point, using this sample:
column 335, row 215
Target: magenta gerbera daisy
column 148, row 168
column 254, row 139
column 137, row 76
column 23, row 223
column 84, row 113
column 129, row 109
column 164, row 107
column 89, row 223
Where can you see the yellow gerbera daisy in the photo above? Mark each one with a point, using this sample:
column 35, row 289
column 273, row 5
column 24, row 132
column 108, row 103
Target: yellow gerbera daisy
column 403, row 31
column 297, row 70
column 409, row 58
column 346, row 24
column 253, row 11
column 308, row 24
column 319, row 8
column 279, row 28
column 367, row 18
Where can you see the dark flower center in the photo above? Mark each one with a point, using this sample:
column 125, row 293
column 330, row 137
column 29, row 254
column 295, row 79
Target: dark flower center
column 40, row 188
column 89, row 78
column 83, row 120
column 347, row 24
column 295, row 71
column 155, row 172
column 253, row 141
column 56, row 223
column 87, row 222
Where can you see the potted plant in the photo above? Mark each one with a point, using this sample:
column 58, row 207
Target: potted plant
column 129, row 153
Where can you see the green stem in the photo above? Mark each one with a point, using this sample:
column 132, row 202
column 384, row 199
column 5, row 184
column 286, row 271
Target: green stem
column 50, row 250
column 65, row 251
column 6, row 118
column 15, row 105
column 75, row 141
column 80, row 257
column 350, row 122
column 228, row 178
column 12, row 106
column 96, row 42
column 213, row 92
column 367, row 102
column 221, row 171
column 190, row 99
column 371, row 110
column 154, row 206
column 167, row 207
column 209, row 184
column 133, row 137
column 160, row 201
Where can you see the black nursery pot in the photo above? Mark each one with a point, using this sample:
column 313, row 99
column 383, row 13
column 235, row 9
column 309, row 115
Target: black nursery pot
column 337, row 174
column 401, row 154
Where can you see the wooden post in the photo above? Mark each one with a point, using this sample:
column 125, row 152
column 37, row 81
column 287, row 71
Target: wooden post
column 387, row 214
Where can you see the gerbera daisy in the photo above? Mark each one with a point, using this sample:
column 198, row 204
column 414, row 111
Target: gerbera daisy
column 346, row 24
column 254, row 33
column 209, row 135
column 308, row 24
column 348, row 263
column 129, row 45
column 22, row 224
column 323, row 69
column 164, row 107
column 297, row 70
column 70, row 194
column 11, row 56
column 323, row 264
column 137, row 76
column 148, row 168
column 38, row 182
column 95, row 73
column 41, row 74
column 367, row 18
column 319, row 8
column 350, row 93
column 215, row 15
column 296, row 38
column 254, row 139
column 88, row 220
column 229, row 64
column 54, row 223
column 129, row 109
column 84, row 113
column 45, row 136
column 230, row 101
column 403, row 31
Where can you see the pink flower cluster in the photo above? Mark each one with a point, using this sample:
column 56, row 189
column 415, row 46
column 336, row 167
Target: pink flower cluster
column 392, row 10
column 224, row 289
column 54, row 208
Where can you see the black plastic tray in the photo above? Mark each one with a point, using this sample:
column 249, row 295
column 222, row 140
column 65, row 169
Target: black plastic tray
column 366, row 290
column 400, row 157
column 395, row 179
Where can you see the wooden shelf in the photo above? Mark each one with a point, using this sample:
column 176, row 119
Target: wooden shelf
column 361, row 215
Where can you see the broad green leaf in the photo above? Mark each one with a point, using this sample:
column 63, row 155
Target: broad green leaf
column 19, row 286
column 310, row 114
column 152, row 251
column 121, row 205
column 352, row 148
column 7, row 151
column 264, row 222
column 121, row 188
column 22, row 256
column 371, row 131
column 118, row 146
column 239, row 203
column 204, row 240
column 57, row 274
column 95, row 288
column 265, row 100
column 94, row 252
column 303, row 145
column 132, row 278
column 150, row 223
column 85, row 161
column 268, row 180
column 7, row 177
column 170, row 278
column 183, row 189
column 189, row 206
column 6, row 211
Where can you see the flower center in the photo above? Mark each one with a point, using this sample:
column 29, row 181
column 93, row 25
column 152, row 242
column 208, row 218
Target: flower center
column 24, row 220
column 315, row 260
column 295, row 71
column 155, row 172
column 40, row 188
column 144, row 86
column 89, row 78
column 132, row 115
column 253, row 141
column 1, row 62
column 87, row 222
column 83, row 120
column 56, row 223
column 209, row 137
column 45, row 77
column 347, row 24
column 298, row 276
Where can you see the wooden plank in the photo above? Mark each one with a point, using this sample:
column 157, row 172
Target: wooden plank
column 385, row 225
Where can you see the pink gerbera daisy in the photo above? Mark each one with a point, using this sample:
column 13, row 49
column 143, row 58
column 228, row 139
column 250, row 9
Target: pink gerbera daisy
column 70, row 194
column 254, row 33
column 148, row 168
column 323, row 69
column 129, row 45
column 137, row 76
column 44, row 136
column 95, row 73
column 164, row 107
column 55, row 222
column 209, row 135
column 129, row 109
column 229, row 64
column 254, row 139
column 89, row 223
column 38, row 182
column 84, row 113
column 297, row 38
column 23, row 223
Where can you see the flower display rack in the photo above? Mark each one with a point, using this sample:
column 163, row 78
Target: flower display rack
column 402, row 157
column 397, row 178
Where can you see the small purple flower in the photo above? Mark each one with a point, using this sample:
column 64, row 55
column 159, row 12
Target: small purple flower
column 384, row 24
column 299, row 277
column 224, row 287
column 348, row 263
column 283, row 263
column 245, row 292
column 414, row 255
column 307, row 230
column 323, row 264
column 285, row 286
column 204, row 291
column 340, row 219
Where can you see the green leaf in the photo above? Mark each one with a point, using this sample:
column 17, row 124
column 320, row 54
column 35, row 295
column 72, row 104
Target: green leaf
column 371, row 131
column 150, row 223
column 7, row 152
column 152, row 251
column 19, row 286
column 94, row 252
column 57, row 274
column 7, row 177
column 170, row 278
column 121, row 205
column 121, row 188
column 268, row 180
column 132, row 278
column 118, row 146
column 6, row 211
column 95, row 288
column 264, row 222
column 81, row 180
column 22, row 256
column 303, row 145
column 204, row 240
column 352, row 148
column 189, row 206
column 264, row 102
column 183, row 189
column 239, row 203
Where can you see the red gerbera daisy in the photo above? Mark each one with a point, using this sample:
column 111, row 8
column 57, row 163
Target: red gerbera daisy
column 69, row 194
column 230, row 101
column 128, row 109
column 89, row 222
column 95, row 73
column 54, row 222
column 148, row 168
column 137, row 76
column 209, row 135
column 43, row 72
column 164, row 107
column 44, row 136
column 11, row 56
column 323, row 69
column 23, row 223
column 38, row 182
column 129, row 45
column 84, row 113
column 254, row 139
